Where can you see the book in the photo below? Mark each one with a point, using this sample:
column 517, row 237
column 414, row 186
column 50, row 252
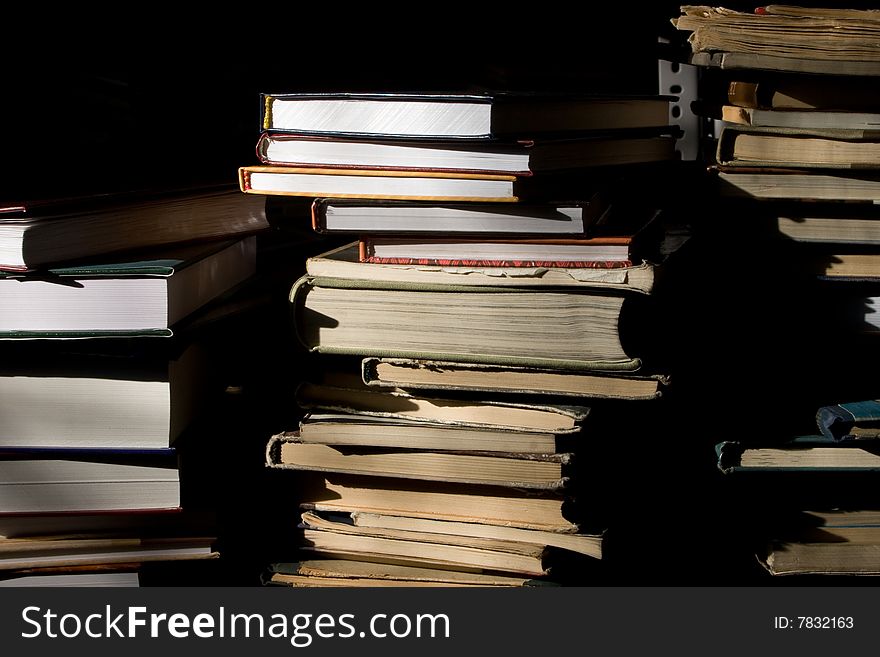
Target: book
column 587, row 544
column 334, row 215
column 824, row 97
column 444, row 186
column 603, row 252
column 347, row 430
column 475, row 116
column 348, row 573
column 800, row 119
column 80, row 580
column 571, row 329
column 805, row 453
column 845, row 551
column 496, row 415
column 848, row 266
column 89, row 482
column 100, row 401
column 344, row 263
column 20, row 553
column 417, row 374
column 531, row 471
column 798, row 185
column 328, row 537
column 518, row 158
column 37, row 234
column 441, row 501
column 798, row 147
column 849, row 226
column 134, row 296
column 850, row 420
column 785, row 38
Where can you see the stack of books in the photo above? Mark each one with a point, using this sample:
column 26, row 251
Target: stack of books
column 793, row 92
column 106, row 376
column 466, row 334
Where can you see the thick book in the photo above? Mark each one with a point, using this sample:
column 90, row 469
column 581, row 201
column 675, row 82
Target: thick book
column 146, row 294
column 527, row 471
column 101, row 480
column 36, row 234
column 831, row 148
column 331, row 537
column 416, row 498
column 453, row 116
column 101, row 401
column 786, row 38
column 848, row 226
column 414, row 374
column 358, row 430
column 520, row 158
column 570, row 329
column 348, row 573
column 360, row 216
column 344, row 263
column 398, row 405
column 802, row 453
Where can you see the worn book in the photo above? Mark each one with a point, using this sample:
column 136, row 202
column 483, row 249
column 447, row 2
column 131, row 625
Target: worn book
column 456, row 116
column 858, row 420
column 144, row 294
column 415, row 374
column 41, row 233
column 521, row 158
column 778, row 37
column 327, row 536
column 348, row 573
column 801, row 119
column 836, row 542
column 516, row 416
column 359, row 430
column 588, row 544
column 802, row 453
column 344, row 263
column 790, row 184
column 571, row 329
column 101, row 401
column 863, row 267
column 830, row 148
column 511, row 470
column 443, row 501
column 847, row 225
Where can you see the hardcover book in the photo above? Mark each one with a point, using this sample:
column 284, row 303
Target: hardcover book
column 126, row 297
column 521, row 158
column 34, row 235
column 453, row 116
column 344, row 263
column 803, row 453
